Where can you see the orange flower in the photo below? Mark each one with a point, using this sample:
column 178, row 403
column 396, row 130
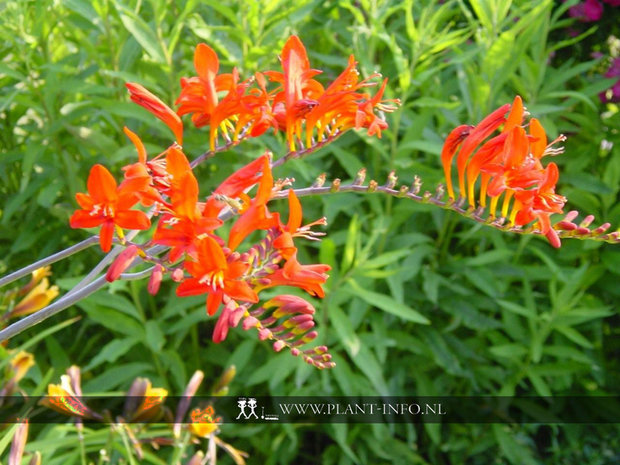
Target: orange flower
column 255, row 215
column 284, row 242
column 310, row 278
column 516, row 167
column 540, row 203
column 145, row 99
column 509, row 165
column 182, row 226
column 483, row 130
column 258, row 114
column 216, row 275
column 450, row 146
column 151, row 172
column 107, row 205
column 300, row 90
column 199, row 94
column 204, row 422
column 366, row 117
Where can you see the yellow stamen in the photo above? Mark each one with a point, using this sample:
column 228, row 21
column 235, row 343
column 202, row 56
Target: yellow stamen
column 507, row 196
column 493, row 206
column 484, row 182
column 515, row 210
column 471, row 194
column 120, row 233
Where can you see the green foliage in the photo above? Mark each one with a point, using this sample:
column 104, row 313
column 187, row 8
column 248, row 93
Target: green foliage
column 419, row 302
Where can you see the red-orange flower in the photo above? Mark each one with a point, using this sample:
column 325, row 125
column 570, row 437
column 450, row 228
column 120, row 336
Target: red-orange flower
column 310, row 278
column 217, row 275
column 235, row 184
column 284, row 242
column 509, row 165
column 107, row 205
column 183, row 224
column 540, row 203
column 199, row 94
column 152, row 172
column 255, row 215
column 145, row 99
column 300, row 90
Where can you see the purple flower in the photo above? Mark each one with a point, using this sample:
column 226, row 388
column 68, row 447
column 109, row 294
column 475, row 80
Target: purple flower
column 587, row 11
column 613, row 71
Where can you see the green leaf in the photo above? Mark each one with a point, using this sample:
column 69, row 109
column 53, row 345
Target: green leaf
column 117, row 377
column 348, row 256
column 539, row 384
column 113, row 320
column 518, row 309
column 387, row 304
column 42, row 335
column 154, row 336
column 345, row 331
column 441, row 352
column 7, row 437
column 86, row 11
column 111, row 352
column 141, row 31
column 512, row 351
column 515, row 452
column 574, row 336
column 368, row 364
column 493, row 256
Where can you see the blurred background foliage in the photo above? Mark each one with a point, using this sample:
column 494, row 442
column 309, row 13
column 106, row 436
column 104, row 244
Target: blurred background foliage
column 420, row 301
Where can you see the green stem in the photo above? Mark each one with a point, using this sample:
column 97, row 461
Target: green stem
column 86, row 243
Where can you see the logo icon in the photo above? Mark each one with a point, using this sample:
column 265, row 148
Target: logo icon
column 247, row 410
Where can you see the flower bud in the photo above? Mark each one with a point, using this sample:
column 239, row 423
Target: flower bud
column 155, row 280
column 289, row 304
column 177, row 275
column 122, row 262
column 279, row 345
column 250, row 322
column 263, row 334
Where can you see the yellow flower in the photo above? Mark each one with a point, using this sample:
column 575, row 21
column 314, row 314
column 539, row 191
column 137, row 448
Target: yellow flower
column 203, row 422
column 38, row 297
column 150, row 398
column 37, row 276
column 21, row 363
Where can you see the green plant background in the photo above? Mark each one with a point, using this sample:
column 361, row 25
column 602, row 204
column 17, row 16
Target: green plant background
column 420, row 301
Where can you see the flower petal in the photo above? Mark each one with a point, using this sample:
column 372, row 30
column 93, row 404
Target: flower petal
column 101, row 185
column 132, row 219
column 83, row 219
column 105, row 235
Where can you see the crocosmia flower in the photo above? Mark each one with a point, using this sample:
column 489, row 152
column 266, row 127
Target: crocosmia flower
column 109, row 206
column 216, row 275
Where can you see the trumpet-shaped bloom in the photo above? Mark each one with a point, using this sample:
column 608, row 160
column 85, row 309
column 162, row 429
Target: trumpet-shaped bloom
column 107, row 205
column 145, row 99
column 300, row 90
column 284, row 242
column 150, row 172
column 199, row 94
column 508, row 164
column 183, row 223
column 255, row 215
column 216, row 275
column 540, row 203
column 310, row 278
